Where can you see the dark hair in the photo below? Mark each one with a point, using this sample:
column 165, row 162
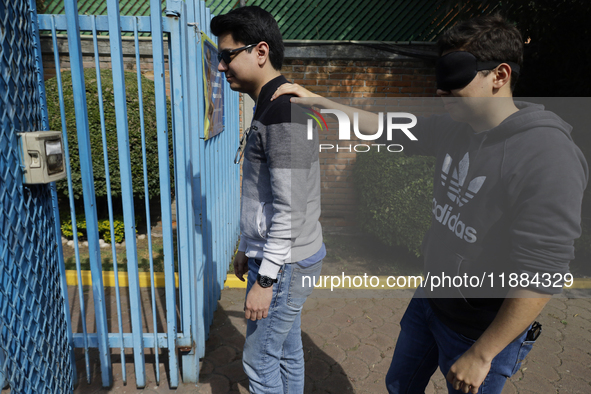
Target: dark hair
column 488, row 38
column 251, row 25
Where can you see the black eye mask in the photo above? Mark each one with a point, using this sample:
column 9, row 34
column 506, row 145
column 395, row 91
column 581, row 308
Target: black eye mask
column 457, row 69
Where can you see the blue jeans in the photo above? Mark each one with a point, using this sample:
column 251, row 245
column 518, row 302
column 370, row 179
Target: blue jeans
column 425, row 343
column 273, row 356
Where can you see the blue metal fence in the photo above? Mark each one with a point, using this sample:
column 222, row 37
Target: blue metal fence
column 35, row 352
column 206, row 186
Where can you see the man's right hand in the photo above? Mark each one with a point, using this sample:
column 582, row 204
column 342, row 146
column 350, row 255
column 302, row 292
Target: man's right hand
column 240, row 265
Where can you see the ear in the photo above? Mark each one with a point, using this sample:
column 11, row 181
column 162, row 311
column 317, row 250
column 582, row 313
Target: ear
column 502, row 76
column 262, row 51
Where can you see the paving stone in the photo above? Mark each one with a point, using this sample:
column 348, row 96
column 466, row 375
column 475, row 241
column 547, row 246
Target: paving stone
column 359, row 329
column 339, row 303
column 375, row 383
column 336, row 383
column 310, row 304
column 575, row 386
column 573, row 369
column 373, row 320
column 576, row 354
column 546, row 345
column 236, row 341
column 327, row 331
column 380, row 341
column 382, row 366
column 341, row 319
column 226, row 331
column 364, row 303
column 323, row 311
column 533, row 383
column 214, row 384
column 332, row 354
column 390, row 329
column 353, row 310
column 355, row 368
column 314, row 338
column 345, row 341
column 241, row 387
column 205, row 368
column 222, row 355
column 233, row 371
column 366, row 353
column 541, row 368
column 430, row 389
column 509, row 388
column 310, row 321
column 317, row 369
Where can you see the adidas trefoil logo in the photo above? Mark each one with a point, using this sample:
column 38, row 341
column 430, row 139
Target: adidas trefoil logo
column 458, row 178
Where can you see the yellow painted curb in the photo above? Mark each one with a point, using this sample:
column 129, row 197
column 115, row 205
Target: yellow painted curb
column 581, row 283
column 234, row 283
column 109, row 278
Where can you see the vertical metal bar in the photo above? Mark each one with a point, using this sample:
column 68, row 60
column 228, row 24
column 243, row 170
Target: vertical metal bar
column 182, row 116
column 70, row 193
column 56, row 214
column 88, row 188
column 126, row 188
column 109, row 193
column 147, row 197
column 195, row 81
column 207, row 198
column 176, row 175
column 222, row 182
column 165, row 192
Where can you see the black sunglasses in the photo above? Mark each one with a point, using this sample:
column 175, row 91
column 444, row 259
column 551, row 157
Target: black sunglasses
column 226, row 55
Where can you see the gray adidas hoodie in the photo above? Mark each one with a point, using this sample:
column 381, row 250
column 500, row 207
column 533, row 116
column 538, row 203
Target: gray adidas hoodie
column 506, row 200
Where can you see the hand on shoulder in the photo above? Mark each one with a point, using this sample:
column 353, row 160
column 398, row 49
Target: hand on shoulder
column 304, row 96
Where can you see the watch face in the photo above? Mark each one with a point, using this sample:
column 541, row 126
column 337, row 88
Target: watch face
column 265, row 281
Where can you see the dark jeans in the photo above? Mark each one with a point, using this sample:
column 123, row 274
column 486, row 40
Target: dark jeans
column 425, row 343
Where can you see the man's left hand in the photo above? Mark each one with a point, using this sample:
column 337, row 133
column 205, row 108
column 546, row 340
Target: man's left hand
column 258, row 302
column 468, row 372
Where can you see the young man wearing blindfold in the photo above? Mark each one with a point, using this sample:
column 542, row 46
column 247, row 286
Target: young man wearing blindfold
column 281, row 237
column 507, row 196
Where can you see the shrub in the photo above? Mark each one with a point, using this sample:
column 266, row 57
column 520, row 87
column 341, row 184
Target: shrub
column 134, row 127
column 395, row 193
column 103, row 227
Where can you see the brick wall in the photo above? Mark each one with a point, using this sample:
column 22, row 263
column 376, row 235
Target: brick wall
column 357, row 79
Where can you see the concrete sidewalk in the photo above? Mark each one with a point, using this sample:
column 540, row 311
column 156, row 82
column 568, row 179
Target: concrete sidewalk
column 348, row 344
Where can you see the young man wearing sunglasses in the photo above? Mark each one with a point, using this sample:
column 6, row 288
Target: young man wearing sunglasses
column 507, row 196
column 281, row 237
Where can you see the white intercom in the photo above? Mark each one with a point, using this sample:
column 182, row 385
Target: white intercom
column 42, row 156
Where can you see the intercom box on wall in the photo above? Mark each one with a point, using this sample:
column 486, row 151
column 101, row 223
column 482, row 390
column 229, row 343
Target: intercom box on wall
column 42, row 156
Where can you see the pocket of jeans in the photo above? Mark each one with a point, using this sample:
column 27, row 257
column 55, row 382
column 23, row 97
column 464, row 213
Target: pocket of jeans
column 524, row 349
column 302, row 283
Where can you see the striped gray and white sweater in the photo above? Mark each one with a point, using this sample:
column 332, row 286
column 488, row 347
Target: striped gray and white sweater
column 280, row 203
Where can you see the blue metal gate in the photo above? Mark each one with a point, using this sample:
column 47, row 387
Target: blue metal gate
column 206, row 186
column 34, row 333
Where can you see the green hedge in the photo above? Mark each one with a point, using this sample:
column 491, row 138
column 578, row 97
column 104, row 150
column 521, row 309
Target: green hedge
column 104, row 227
column 395, row 196
column 134, row 126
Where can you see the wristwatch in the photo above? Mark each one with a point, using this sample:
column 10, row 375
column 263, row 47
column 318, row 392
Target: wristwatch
column 265, row 281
